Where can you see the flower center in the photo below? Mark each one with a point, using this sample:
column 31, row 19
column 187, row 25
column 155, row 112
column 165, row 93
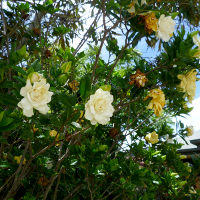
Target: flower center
column 37, row 94
column 99, row 105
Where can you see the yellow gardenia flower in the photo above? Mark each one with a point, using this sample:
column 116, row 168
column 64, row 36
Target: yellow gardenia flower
column 151, row 22
column 43, row 181
column 152, row 138
column 188, row 84
column 18, row 159
column 157, row 102
column 53, row 133
column 190, row 130
column 131, row 9
column 139, row 79
column 74, row 85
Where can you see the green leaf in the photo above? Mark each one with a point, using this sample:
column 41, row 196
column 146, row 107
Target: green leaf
column 3, row 140
column 174, row 14
column 114, row 164
column 61, row 30
column 62, row 79
column 49, row 2
column 66, row 67
column 103, row 147
column 6, row 121
column 4, row 166
column 67, row 99
column 106, row 87
column 194, row 33
column 1, row 115
column 36, row 65
column 20, row 70
column 1, row 74
column 10, row 127
column 85, row 87
column 22, row 52
column 9, row 100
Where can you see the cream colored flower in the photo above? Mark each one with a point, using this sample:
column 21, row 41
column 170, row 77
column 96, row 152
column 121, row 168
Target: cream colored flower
column 196, row 41
column 190, row 130
column 188, row 84
column 152, row 138
column 157, row 102
column 99, row 109
column 35, row 96
column 166, row 26
column 53, row 133
column 18, row 159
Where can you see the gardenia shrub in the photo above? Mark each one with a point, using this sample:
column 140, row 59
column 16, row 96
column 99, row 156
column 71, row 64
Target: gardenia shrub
column 83, row 113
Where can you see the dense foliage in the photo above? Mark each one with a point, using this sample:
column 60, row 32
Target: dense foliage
column 60, row 142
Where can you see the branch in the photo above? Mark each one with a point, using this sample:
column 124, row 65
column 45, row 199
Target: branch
column 74, row 191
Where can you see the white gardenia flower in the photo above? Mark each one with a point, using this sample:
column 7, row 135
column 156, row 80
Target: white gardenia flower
column 35, row 96
column 190, row 130
column 166, row 27
column 99, row 109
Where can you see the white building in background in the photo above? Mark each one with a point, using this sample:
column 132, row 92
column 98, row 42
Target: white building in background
column 192, row 120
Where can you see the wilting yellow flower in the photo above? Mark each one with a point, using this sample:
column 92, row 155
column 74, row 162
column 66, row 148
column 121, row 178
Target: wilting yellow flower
column 188, row 84
column 152, row 137
column 34, row 129
column 131, row 9
column 18, row 159
column 131, row 6
column 53, row 133
column 190, row 130
column 157, row 102
column 43, row 181
column 138, row 78
column 151, row 22
column 196, row 41
column 74, row 85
